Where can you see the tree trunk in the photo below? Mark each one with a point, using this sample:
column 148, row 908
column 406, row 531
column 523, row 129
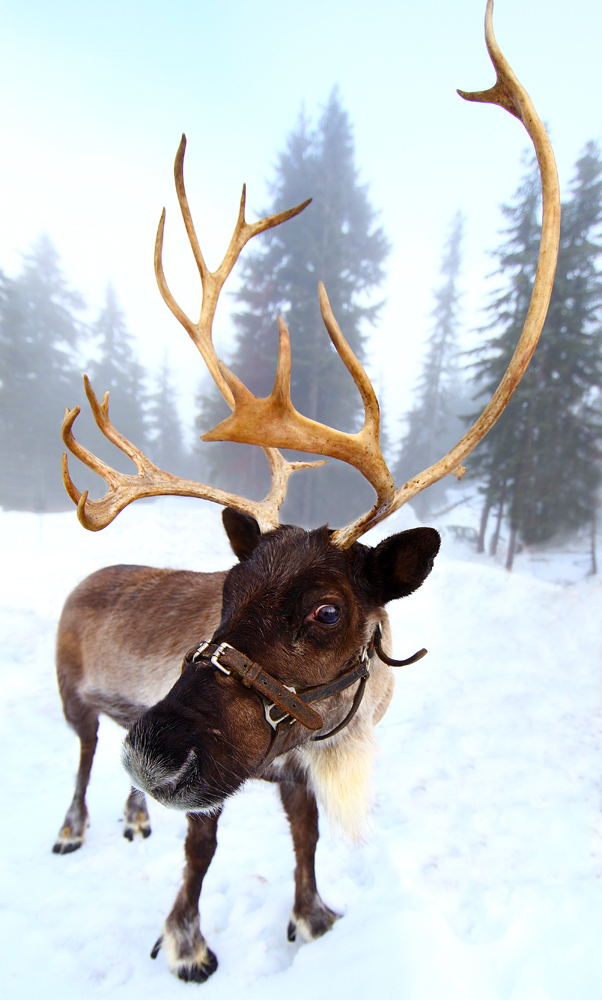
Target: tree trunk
column 483, row 526
column 496, row 534
column 511, row 547
column 594, row 566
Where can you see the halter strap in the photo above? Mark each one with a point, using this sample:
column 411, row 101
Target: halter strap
column 231, row 662
column 294, row 705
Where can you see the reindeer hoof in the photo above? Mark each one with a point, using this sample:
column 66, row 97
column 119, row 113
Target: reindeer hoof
column 312, row 924
column 69, row 839
column 67, row 846
column 192, row 961
column 199, row 973
column 130, row 831
column 139, row 824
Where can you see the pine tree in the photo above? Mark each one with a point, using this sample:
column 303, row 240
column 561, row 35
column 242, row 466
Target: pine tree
column 494, row 460
column 39, row 332
column 166, row 446
column 540, row 460
column 335, row 241
column 434, row 425
column 118, row 372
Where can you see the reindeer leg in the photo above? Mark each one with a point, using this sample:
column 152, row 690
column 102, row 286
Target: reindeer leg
column 310, row 917
column 137, row 819
column 186, row 950
column 71, row 835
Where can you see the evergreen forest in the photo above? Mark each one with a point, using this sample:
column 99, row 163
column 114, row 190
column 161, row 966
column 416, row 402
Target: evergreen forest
column 336, row 240
column 536, row 476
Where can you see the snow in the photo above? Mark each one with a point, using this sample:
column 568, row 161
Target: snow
column 482, row 876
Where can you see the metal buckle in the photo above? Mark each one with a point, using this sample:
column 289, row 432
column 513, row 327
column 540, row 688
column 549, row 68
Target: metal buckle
column 269, row 705
column 223, row 646
column 197, row 653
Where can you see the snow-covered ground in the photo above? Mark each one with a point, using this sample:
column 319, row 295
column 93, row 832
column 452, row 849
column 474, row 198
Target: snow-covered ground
column 482, row 877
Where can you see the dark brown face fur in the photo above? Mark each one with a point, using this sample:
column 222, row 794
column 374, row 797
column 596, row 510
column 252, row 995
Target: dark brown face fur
column 299, row 607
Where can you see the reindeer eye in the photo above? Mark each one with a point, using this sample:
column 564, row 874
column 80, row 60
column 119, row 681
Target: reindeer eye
column 328, row 614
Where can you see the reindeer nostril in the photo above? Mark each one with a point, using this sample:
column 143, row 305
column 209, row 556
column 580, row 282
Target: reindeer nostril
column 161, row 777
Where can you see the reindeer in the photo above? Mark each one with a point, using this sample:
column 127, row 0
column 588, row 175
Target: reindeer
column 288, row 663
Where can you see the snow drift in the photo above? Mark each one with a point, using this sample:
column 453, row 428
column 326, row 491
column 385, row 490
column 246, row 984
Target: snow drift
column 482, row 875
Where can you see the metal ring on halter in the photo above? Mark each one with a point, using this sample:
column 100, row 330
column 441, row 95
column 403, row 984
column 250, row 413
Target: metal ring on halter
column 269, row 705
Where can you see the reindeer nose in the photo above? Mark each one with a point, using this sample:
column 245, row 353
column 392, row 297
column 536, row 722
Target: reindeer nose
column 157, row 768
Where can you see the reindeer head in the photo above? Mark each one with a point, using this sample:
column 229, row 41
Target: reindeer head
column 302, row 609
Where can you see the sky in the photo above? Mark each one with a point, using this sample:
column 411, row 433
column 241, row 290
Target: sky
column 97, row 95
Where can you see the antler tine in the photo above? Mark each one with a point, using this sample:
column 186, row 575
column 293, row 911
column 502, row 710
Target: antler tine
column 275, row 422
column 281, row 470
column 211, row 281
column 367, row 443
column 152, row 481
column 508, row 93
column 100, row 412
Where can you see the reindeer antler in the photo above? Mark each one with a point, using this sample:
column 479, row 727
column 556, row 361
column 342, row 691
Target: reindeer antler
column 281, row 426
column 152, row 481
column 273, row 422
column 211, row 281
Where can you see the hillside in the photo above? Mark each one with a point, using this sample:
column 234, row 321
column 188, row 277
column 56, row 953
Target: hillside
column 482, row 878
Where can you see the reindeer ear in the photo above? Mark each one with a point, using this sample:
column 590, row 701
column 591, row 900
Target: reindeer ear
column 401, row 563
column 242, row 531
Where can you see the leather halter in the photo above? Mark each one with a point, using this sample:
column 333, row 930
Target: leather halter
column 295, row 706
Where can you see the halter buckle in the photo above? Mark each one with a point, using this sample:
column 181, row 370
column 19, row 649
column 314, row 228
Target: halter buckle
column 223, row 646
column 199, row 651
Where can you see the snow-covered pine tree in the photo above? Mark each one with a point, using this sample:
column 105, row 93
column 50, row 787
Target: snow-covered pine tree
column 334, row 240
column 434, row 424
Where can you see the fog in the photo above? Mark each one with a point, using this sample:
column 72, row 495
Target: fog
column 97, row 96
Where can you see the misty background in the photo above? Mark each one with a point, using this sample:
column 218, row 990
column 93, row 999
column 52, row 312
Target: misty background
column 483, row 875
column 99, row 96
